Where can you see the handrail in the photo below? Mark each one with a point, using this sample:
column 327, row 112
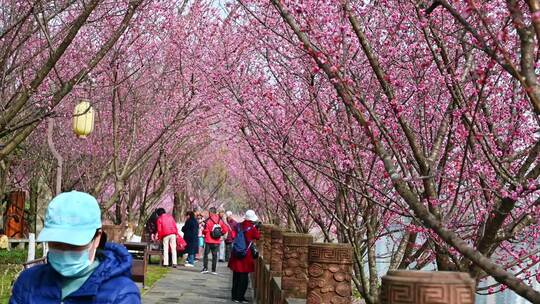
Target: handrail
column 293, row 269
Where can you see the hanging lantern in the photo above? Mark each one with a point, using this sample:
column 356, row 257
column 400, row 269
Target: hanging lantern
column 83, row 119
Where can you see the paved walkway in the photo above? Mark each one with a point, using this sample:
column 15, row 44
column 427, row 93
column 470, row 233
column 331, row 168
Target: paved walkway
column 188, row 286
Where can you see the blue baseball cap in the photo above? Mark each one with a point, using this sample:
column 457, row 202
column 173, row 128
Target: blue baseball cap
column 72, row 218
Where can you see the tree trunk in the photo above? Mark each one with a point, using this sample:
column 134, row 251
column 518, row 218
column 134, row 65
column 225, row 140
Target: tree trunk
column 180, row 205
column 118, row 212
column 4, row 173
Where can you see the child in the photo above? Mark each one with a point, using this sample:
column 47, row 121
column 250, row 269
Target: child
column 4, row 244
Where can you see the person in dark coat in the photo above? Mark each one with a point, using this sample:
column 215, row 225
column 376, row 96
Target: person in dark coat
column 241, row 267
column 81, row 267
column 191, row 236
column 150, row 227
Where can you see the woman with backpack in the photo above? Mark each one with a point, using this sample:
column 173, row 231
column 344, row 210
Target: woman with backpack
column 242, row 261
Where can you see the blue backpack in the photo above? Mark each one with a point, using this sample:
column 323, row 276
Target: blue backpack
column 240, row 247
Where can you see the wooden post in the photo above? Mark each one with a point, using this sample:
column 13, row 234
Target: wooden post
column 15, row 215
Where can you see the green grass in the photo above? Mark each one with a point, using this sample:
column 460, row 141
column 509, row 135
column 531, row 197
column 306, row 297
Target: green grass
column 10, row 266
column 14, row 256
column 8, row 273
column 154, row 273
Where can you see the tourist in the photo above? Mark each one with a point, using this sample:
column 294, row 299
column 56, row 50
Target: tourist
column 167, row 231
column 191, row 235
column 231, row 235
column 4, row 241
column 150, row 227
column 81, row 267
column 221, row 259
column 214, row 229
column 242, row 266
column 200, row 219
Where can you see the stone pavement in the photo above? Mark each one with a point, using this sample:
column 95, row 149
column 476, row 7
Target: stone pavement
column 188, row 286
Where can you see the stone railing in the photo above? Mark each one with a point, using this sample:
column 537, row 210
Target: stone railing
column 292, row 269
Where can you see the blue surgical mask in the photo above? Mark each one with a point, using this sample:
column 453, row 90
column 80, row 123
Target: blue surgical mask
column 69, row 263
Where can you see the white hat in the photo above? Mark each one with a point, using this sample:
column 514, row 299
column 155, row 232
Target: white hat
column 228, row 213
column 251, row 216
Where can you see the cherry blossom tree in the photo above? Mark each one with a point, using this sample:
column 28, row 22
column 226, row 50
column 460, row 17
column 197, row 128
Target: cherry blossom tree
column 409, row 129
column 42, row 57
column 428, row 113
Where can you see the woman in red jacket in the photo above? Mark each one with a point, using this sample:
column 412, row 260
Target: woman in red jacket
column 167, row 231
column 241, row 267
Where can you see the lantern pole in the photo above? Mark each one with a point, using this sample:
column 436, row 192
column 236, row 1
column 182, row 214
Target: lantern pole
column 59, row 158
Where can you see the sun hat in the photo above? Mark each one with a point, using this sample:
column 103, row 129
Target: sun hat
column 251, row 216
column 72, row 218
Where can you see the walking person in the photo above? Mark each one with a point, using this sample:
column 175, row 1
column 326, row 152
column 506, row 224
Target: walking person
column 191, row 236
column 222, row 242
column 243, row 263
column 213, row 231
column 230, row 236
column 81, row 267
column 167, row 231
column 200, row 219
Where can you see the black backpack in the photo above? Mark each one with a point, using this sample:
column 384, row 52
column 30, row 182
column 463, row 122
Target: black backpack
column 216, row 231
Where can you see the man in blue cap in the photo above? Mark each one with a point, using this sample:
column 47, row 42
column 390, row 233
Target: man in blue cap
column 81, row 267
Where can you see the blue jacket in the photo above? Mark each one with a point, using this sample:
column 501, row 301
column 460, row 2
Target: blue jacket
column 110, row 283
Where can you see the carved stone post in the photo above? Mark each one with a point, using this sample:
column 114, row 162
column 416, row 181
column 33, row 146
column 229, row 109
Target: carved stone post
column 276, row 261
column 266, row 278
column 427, row 287
column 294, row 279
column 259, row 292
column 261, row 240
column 257, row 275
column 267, row 246
column 330, row 273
